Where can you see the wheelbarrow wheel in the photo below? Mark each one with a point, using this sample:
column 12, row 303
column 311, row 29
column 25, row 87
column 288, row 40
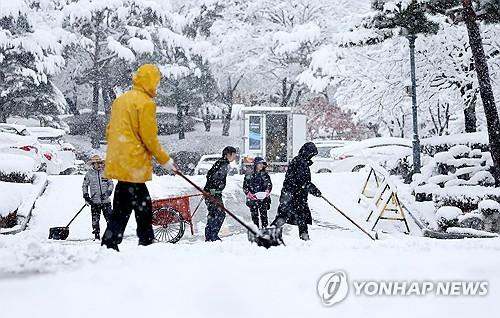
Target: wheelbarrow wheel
column 168, row 225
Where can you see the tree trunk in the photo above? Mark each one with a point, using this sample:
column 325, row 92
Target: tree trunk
column 94, row 124
column 286, row 93
column 485, row 89
column 3, row 115
column 228, row 100
column 180, row 121
column 106, row 98
column 180, row 112
column 94, row 134
column 470, row 117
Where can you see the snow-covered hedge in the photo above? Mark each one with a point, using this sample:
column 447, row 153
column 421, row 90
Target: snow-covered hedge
column 466, row 198
column 433, row 145
column 16, row 168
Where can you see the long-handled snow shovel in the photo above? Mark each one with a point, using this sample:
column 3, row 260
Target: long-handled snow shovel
column 356, row 224
column 62, row 232
column 267, row 237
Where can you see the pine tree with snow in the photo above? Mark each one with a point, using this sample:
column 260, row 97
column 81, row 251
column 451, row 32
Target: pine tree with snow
column 28, row 57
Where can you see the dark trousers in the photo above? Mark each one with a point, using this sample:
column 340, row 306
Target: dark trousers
column 128, row 197
column 215, row 218
column 258, row 208
column 302, row 224
column 96, row 209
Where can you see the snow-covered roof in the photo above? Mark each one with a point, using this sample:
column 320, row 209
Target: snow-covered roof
column 260, row 109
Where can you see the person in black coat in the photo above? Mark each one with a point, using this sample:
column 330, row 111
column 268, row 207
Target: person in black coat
column 216, row 182
column 258, row 181
column 293, row 208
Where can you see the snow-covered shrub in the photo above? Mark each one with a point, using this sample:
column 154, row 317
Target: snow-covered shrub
column 433, row 145
column 488, row 207
column 466, row 172
column 404, row 168
column 424, row 192
column 466, row 198
column 476, row 153
column 471, row 220
column 441, row 179
column 482, row 178
column 8, row 221
column 447, row 216
column 16, row 168
column 455, row 182
column 490, row 210
column 459, row 151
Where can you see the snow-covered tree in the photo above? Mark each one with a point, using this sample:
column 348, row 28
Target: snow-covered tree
column 29, row 55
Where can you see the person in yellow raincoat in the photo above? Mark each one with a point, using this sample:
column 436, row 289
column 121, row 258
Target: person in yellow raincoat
column 132, row 137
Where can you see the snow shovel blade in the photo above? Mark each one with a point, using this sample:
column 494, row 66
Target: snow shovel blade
column 58, row 233
column 267, row 237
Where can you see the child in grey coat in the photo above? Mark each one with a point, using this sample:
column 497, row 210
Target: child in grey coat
column 96, row 191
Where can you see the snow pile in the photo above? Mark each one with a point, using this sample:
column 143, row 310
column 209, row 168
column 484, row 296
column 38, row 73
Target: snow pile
column 12, row 196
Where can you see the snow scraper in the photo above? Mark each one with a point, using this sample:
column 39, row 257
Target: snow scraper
column 356, row 224
column 267, row 237
column 62, row 232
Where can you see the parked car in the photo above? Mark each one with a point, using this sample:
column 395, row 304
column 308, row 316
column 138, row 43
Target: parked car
column 14, row 129
column 382, row 150
column 53, row 139
column 322, row 162
column 26, row 146
column 206, row 162
column 45, row 157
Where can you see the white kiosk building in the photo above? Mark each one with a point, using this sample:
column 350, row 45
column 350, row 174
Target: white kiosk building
column 274, row 133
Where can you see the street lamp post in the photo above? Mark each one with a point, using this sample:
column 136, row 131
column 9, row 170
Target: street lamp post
column 416, row 142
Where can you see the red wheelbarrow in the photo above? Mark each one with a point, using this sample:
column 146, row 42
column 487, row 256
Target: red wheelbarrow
column 171, row 215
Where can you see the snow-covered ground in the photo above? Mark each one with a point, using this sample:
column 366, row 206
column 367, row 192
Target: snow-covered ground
column 232, row 278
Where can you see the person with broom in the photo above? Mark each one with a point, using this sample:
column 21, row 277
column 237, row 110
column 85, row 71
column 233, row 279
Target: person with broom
column 216, row 182
column 132, row 136
column 293, row 208
column 96, row 191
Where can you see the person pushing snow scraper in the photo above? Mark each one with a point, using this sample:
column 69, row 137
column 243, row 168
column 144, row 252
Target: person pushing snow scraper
column 96, row 191
column 132, row 135
column 293, row 208
column 216, row 182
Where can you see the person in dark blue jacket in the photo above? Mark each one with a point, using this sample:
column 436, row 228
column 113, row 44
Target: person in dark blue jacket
column 257, row 187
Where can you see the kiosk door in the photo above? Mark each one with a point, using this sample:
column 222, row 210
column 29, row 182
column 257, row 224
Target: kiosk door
column 277, row 138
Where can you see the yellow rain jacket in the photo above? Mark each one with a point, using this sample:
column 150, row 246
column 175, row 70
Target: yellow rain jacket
column 132, row 133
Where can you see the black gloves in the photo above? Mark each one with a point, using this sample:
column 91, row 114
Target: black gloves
column 87, row 198
column 315, row 191
column 103, row 197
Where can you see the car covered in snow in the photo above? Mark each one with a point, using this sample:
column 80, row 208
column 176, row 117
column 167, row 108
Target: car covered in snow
column 321, row 163
column 206, row 162
column 54, row 139
column 384, row 151
column 45, row 157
